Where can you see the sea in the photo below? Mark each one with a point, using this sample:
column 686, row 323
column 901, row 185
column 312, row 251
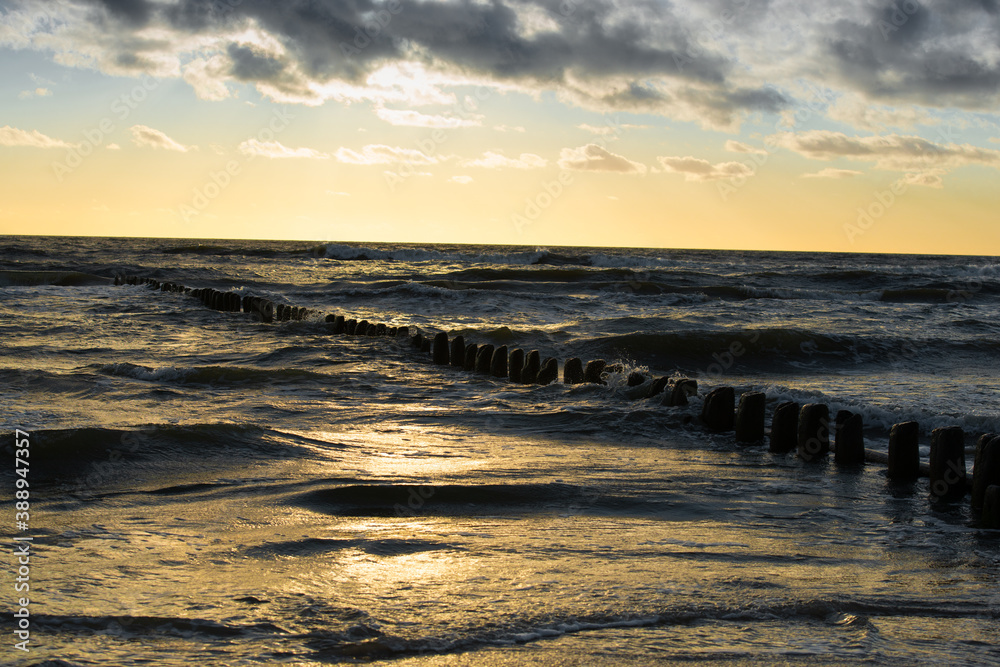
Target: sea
column 203, row 487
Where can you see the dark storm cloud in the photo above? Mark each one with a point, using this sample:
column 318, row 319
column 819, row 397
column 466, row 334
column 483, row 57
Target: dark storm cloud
column 133, row 12
column 934, row 53
column 485, row 37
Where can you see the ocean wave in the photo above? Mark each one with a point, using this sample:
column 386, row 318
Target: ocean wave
column 767, row 346
column 416, row 255
column 210, row 374
column 89, row 459
column 59, row 278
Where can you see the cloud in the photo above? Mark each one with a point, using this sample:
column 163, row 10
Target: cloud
column 740, row 147
column 594, row 158
column 113, row 147
column 207, row 77
column 715, row 63
column 509, row 128
column 830, row 172
column 382, row 154
column 493, row 160
column 928, row 179
column 37, row 92
column 276, row 150
column 611, row 129
column 144, row 136
column 603, row 55
column 338, row 193
column 890, row 151
column 412, row 118
column 696, row 169
column 461, row 180
column 12, row 136
column 860, row 113
column 941, row 53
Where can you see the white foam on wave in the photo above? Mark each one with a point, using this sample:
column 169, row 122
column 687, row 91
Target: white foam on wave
column 145, row 373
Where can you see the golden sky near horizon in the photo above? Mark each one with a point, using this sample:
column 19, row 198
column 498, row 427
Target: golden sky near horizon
column 868, row 126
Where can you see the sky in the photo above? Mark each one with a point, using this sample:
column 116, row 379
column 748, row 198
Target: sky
column 857, row 125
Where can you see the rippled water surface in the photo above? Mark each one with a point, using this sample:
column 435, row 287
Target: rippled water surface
column 210, row 489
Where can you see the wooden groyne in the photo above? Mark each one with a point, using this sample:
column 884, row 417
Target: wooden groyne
column 806, row 429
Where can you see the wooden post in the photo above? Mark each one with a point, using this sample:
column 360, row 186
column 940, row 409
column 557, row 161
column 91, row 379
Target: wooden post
column 573, row 371
column 548, row 373
column 784, row 428
column 532, row 364
column 442, row 352
column 658, row 386
column 990, row 517
column 484, row 357
column 471, row 350
column 986, row 469
column 458, row 351
column 849, row 448
column 515, row 364
column 592, row 374
column 717, row 410
column 904, row 452
column 678, row 392
column 498, row 365
column 750, row 417
column 814, row 431
column 947, row 464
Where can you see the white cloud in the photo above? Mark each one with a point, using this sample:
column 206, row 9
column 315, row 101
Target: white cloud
column 113, row 147
column 382, row 154
column 890, row 151
column 37, row 92
column 461, row 180
column 207, row 77
column 830, row 172
column 927, row 179
column 509, row 128
column 144, row 136
column 276, row 150
column 595, row 158
column 12, row 136
column 493, row 160
column 740, row 147
column 696, row 169
column 863, row 114
column 408, row 117
column 337, row 193
column 609, row 129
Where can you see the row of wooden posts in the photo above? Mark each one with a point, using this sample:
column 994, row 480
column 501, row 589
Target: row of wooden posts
column 805, row 429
